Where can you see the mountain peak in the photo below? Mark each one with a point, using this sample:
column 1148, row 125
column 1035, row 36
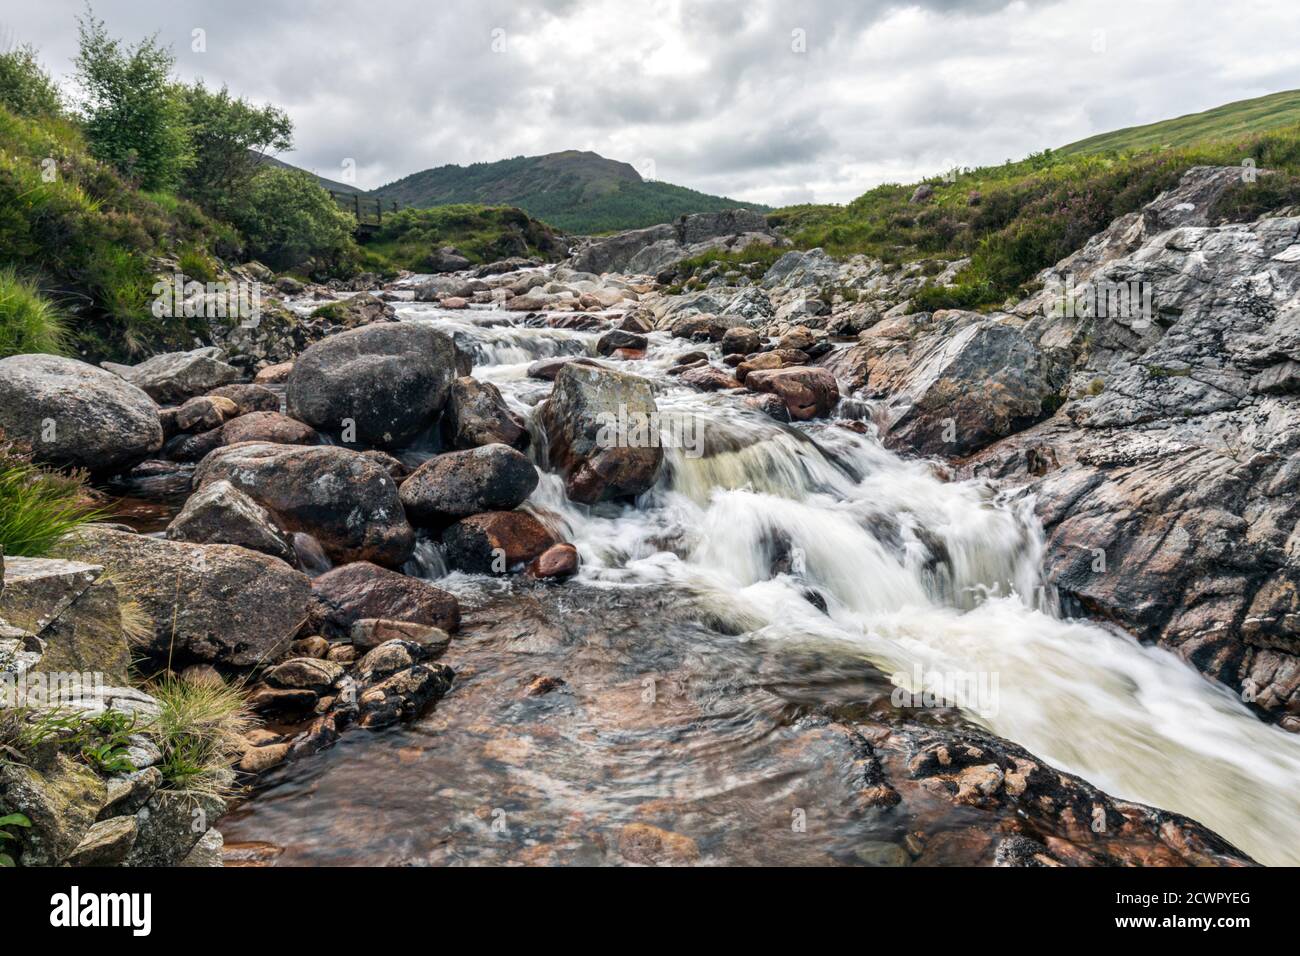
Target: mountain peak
column 575, row 190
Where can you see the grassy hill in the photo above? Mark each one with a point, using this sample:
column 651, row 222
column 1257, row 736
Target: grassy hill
column 1016, row 219
column 575, row 191
column 1223, row 122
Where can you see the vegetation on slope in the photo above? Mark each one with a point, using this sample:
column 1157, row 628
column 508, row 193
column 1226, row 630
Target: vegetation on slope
column 29, row 322
column 1230, row 121
column 141, row 175
column 411, row 238
column 1016, row 219
column 574, row 191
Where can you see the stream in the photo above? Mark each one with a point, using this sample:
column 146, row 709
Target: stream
column 773, row 569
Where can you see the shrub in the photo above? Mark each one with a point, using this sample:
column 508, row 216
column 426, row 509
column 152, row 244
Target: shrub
column 200, row 732
column 289, row 220
column 409, row 238
column 28, row 321
column 91, row 237
column 38, row 507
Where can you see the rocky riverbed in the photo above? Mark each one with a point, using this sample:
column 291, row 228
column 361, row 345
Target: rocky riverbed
column 536, row 564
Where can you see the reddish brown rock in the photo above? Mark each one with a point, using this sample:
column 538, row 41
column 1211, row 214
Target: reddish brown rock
column 269, row 427
column 274, row 374
column 807, row 392
column 555, row 563
column 709, row 378
column 362, row 590
column 495, row 542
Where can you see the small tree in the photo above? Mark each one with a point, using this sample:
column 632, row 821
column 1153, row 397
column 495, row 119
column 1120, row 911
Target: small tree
column 230, row 137
column 25, row 88
column 288, row 220
column 135, row 118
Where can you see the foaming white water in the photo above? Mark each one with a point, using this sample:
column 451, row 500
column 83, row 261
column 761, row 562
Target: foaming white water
column 920, row 575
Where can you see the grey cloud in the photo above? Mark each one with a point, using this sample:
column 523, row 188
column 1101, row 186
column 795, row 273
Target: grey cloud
column 712, row 90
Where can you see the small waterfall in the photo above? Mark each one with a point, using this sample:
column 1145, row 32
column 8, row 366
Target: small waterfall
column 817, row 534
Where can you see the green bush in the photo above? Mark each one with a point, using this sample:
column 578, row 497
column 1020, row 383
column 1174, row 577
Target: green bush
column 409, row 238
column 289, row 221
column 229, row 135
column 28, row 321
column 25, row 88
column 90, row 237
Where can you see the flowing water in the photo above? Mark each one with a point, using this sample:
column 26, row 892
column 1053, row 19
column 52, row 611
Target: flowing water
column 772, row 566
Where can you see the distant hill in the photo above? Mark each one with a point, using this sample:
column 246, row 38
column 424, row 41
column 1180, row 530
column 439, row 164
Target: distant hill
column 1223, row 122
column 325, row 183
column 579, row 192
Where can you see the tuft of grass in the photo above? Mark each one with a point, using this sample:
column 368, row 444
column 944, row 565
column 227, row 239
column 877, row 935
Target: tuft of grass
column 38, row 507
column 29, row 322
column 197, row 265
column 200, row 733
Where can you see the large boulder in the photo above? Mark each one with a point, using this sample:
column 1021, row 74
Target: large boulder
column 74, row 610
column 346, row 500
column 213, row 603
column 75, row 414
column 219, row 513
column 496, row 542
column 61, row 798
column 476, row 414
column 391, row 381
column 462, row 483
column 364, row 591
column 174, row 377
column 963, row 391
column 807, row 392
column 602, row 430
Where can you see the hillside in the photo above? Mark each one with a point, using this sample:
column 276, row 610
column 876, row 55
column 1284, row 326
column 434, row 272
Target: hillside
column 1016, row 219
column 579, row 192
column 1230, row 120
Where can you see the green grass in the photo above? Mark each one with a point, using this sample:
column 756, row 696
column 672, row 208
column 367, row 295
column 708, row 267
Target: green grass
column 38, row 507
column 200, row 732
column 1230, row 121
column 29, row 322
column 91, row 237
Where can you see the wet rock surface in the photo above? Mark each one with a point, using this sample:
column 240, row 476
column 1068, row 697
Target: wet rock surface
column 884, row 790
column 583, row 418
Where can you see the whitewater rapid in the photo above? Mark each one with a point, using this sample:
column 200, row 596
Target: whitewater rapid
column 932, row 581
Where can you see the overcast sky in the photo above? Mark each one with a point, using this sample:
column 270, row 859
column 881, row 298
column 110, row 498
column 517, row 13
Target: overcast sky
column 770, row 101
